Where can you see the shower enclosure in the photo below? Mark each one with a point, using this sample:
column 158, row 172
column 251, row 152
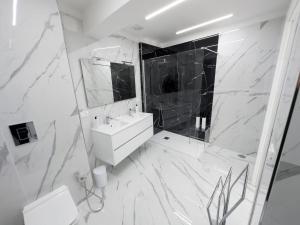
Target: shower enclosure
column 178, row 84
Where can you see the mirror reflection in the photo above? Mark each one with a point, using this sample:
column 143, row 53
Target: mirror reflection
column 107, row 82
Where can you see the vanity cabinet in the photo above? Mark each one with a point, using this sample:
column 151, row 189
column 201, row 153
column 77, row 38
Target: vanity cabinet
column 116, row 140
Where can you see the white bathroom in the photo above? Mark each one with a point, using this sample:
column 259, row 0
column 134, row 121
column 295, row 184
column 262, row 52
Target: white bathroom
column 136, row 112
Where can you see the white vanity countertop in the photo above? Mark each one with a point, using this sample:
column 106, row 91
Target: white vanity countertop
column 120, row 123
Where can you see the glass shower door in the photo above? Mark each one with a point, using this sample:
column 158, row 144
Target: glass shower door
column 174, row 92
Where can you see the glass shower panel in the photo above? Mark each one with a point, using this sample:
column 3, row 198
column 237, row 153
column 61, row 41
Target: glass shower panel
column 190, row 70
column 173, row 89
column 162, row 86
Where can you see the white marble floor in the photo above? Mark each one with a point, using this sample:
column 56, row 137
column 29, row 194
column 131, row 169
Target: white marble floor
column 169, row 182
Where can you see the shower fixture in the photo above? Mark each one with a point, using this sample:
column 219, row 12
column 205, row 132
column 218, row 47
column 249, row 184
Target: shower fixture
column 206, row 48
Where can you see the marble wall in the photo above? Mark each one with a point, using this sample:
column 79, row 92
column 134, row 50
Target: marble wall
column 290, row 57
column 123, row 50
column 36, row 85
column 245, row 69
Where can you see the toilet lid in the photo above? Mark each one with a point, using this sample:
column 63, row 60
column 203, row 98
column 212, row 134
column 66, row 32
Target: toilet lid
column 56, row 208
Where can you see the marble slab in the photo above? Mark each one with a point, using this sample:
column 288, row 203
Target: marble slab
column 12, row 194
column 53, row 160
column 162, row 185
column 245, row 69
column 35, row 81
column 36, row 85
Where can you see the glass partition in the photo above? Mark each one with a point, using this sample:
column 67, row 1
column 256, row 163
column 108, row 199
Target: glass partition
column 178, row 88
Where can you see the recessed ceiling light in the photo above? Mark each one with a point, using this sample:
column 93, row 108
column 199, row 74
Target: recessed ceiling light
column 163, row 9
column 205, row 24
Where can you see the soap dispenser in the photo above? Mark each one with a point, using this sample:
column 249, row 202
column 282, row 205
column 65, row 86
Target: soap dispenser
column 136, row 108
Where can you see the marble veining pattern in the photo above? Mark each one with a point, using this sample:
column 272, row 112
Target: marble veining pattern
column 166, row 185
column 127, row 51
column 11, row 191
column 36, row 85
column 245, row 69
column 38, row 65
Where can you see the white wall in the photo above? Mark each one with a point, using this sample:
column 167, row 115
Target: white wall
column 128, row 51
column 36, row 85
column 244, row 73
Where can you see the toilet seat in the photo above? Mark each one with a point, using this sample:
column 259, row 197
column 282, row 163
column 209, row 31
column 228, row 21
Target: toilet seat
column 56, row 208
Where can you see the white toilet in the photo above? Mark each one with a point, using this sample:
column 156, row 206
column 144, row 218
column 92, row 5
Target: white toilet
column 55, row 208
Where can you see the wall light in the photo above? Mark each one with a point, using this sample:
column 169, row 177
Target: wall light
column 163, row 9
column 14, row 12
column 94, row 51
column 108, row 47
column 205, row 24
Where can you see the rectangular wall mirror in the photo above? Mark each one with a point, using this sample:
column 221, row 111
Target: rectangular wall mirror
column 107, row 82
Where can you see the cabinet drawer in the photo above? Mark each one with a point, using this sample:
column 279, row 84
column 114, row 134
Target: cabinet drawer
column 124, row 136
column 124, row 150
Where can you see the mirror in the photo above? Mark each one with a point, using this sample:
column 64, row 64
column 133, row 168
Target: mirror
column 123, row 82
column 107, row 82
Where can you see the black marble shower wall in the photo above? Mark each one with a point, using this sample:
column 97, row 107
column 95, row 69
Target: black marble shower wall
column 179, row 85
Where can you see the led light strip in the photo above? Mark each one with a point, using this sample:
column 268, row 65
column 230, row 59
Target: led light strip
column 204, row 24
column 14, row 12
column 163, row 9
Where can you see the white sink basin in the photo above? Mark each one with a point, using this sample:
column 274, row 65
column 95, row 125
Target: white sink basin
column 114, row 126
column 119, row 138
column 132, row 118
column 120, row 123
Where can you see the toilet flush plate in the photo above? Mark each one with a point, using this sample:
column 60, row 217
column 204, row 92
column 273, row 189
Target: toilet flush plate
column 23, row 133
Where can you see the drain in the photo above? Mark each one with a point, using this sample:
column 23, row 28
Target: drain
column 166, row 138
column 242, row 156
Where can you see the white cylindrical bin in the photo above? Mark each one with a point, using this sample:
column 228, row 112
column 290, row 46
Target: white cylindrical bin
column 100, row 176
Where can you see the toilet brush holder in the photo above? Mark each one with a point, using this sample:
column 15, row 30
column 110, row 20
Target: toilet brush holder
column 100, row 178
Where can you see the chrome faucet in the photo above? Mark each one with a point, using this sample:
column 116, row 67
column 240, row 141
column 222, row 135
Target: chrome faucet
column 107, row 119
column 130, row 112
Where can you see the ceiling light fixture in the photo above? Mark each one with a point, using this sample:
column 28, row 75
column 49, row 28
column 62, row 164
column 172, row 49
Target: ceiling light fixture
column 14, row 12
column 163, row 9
column 205, row 24
column 108, row 47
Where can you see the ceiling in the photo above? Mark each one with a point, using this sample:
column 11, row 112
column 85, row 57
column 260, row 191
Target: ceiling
column 129, row 18
column 76, row 4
